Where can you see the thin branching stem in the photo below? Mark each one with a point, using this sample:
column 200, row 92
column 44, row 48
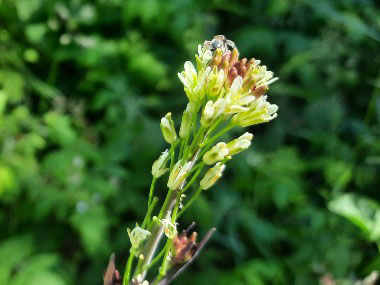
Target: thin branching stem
column 128, row 267
column 192, row 199
column 195, row 176
column 151, row 191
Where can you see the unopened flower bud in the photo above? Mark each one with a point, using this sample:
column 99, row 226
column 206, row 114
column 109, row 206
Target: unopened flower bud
column 217, row 153
column 260, row 91
column 234, row 57
column 168, row 129
column 178, row 175
column 212, row 111
column 203, row 57
column 215, row 82
column 158, row 167
column 186, row 122
column 241, row 143
column 212, row 175
column 207, row 114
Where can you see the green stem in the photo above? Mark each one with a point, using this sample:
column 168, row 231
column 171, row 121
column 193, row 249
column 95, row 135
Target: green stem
column 151, row 191
column 172, row 154
column 215, row 125
column 155, row 260
column 201, row 165
column 195, row 122
column 210, row 141
column 200, row 133
column 184, row 154
column 195, row 196
column 164, row 206
column 181, row 149
column 169, row 242
column 175, row 210
column 165, row 259
column 194, row 169
column 148, row 213
column 156, row 234
column 157, row 229
column 128, row 267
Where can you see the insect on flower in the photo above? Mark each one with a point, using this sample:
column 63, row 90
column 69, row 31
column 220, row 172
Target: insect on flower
column 219, row 41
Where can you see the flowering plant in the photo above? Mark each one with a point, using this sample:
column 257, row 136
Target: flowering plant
column 224, row 92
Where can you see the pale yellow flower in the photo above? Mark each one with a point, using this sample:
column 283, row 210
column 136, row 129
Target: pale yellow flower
column 158, row 167
column 212, row 111
column 241, row 143
column 212, row 175
column 194, row 82
column 168, row 129
column 178, row 174
column 259, row 111
column 217, row 153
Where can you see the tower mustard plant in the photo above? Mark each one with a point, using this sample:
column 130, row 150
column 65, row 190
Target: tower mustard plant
column 224, row 92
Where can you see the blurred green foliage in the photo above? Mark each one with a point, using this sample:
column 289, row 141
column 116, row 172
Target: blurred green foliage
column 83, row 85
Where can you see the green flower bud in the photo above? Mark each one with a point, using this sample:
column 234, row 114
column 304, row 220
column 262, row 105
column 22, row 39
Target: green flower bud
column 168, row 129
column 212, row 175
column 217, row 153
column 186, row 122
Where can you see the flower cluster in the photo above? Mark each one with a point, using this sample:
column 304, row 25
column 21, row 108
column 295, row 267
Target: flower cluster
column 231, row 87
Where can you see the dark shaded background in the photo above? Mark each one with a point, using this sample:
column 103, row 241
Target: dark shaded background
column 83, row 85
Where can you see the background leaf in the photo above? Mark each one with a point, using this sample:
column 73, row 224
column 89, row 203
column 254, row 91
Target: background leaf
column 83, row 85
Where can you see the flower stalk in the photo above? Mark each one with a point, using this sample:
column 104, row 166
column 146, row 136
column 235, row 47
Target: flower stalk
column 224, row 93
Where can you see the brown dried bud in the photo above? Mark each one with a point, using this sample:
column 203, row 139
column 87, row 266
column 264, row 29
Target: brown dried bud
column 231, row 76
column 184, row 247
column 260, row 91
column 250, row 62
column 234, row 57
